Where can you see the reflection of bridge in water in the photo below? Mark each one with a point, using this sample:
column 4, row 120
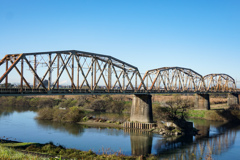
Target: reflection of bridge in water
column 141, row 142
column 184, row 147
column 204, row 144
column 43, row 73
column 199, row 148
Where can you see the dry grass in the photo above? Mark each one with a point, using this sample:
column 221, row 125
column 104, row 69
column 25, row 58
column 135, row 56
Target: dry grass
column 8, row 154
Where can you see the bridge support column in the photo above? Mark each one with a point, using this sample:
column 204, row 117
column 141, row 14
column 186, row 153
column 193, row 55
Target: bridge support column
column 141, row 110
column 202, row 101
column 232, row 99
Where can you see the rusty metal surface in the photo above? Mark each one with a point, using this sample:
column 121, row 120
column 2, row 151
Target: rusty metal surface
column 91, row 73
column 219, row 82
column 42, row 72
column 170, row 79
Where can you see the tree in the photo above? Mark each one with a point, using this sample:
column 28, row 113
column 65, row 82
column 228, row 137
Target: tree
column 177, row 108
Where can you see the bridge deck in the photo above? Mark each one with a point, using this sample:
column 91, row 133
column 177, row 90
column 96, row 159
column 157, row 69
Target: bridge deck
column 27, row 92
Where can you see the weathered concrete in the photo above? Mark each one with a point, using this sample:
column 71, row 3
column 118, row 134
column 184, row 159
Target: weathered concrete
column 202, row 101
column 233, row 99
column 141, row 110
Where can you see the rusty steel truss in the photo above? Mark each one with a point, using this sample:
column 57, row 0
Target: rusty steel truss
column 180, row 80
column 219, row 83
column 173, row 79
column 86, row 72
column 78, row 72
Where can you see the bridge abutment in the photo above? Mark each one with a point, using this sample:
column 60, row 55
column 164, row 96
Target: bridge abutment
column 141, row 110
column 202, row 101
column 233, row 99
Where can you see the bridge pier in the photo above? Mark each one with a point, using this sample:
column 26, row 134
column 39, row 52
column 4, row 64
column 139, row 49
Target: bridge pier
column 202, row 101
column 233, row 99
column 141, row 110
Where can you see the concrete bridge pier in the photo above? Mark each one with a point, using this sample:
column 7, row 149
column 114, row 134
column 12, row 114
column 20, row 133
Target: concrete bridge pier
column 202, row 101
column 141, row 110
column 233, row 99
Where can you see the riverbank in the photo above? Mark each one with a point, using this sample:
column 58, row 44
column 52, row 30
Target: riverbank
column 128, row 141
column 19, row 150
column 226, row 115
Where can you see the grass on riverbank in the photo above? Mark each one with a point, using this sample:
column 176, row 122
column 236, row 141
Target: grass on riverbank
column 215, row 115
column 9, row 153
column 15, row 150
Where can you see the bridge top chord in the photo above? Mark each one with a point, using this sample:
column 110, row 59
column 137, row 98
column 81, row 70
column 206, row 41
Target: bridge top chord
column 79, row 72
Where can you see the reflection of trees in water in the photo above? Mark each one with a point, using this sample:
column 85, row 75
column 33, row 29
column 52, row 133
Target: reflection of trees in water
column 4, row 113
column 183, row 148
column 77, row 129
column 105, row 130
column 8, row 110
column 72, row 128
column 141, row 142
column 110, row 131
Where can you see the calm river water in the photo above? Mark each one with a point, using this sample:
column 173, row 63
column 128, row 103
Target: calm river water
column 218, row 139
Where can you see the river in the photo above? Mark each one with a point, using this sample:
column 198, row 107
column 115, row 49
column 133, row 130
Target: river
column 218, row 139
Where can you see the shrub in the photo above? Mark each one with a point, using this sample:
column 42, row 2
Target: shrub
column 106, row 104
column 98, row 105
column 45, row 113
column 59, row 115
column 74, row 114
column 82, row 100
column 85, row 119
column 34, row 102
column 22, row 101
column 67, row 103
column 43, row 102
column 116, row 106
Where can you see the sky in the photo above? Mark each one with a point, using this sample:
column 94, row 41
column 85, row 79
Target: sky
column 203, row 35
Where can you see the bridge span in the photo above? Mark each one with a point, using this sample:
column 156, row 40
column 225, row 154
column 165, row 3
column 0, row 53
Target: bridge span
column 48, row 73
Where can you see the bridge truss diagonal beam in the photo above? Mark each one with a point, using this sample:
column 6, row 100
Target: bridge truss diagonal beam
column 66, row 72
column 173, row 79
column 220, row 82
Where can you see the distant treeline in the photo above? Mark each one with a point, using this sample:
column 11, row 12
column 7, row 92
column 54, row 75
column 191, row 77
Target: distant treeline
column 62, row 109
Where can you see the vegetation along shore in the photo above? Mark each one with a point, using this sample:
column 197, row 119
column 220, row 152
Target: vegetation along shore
column 83, row 109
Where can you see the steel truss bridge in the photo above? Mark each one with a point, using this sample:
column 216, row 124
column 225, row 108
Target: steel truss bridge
column 50, row 73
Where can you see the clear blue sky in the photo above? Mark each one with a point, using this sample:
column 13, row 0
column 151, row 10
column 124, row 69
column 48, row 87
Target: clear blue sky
column 203, row 35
